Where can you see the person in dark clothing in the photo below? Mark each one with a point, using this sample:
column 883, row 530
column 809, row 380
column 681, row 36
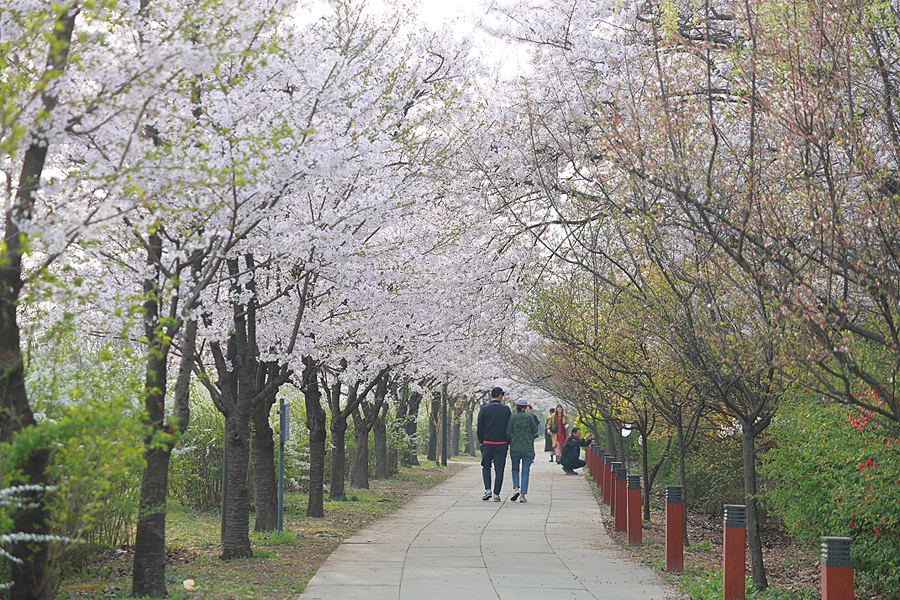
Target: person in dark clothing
column 571, row 452
column 491, row 434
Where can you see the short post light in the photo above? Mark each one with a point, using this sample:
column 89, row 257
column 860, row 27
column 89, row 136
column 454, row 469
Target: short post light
column 734, row 552
column 634, row 510
column 837, row 568
column 613, row 497
column 621, row 499
column 607, row 479
column 674, row 528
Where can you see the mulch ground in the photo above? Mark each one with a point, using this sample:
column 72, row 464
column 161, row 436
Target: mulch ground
column 789, row 565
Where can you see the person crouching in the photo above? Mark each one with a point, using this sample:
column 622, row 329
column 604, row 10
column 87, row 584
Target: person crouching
column 571, row 452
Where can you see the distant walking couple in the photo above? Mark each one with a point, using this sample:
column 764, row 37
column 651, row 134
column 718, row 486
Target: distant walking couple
column 498, row 431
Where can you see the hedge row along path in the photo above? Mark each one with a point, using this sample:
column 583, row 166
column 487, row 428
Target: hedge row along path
column 448, row 543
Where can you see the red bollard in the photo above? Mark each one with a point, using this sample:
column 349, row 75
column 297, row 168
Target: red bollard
column 634, row 510
column 621, row 499
column 734, row 552
column 613, row 496
column 837, row 568
column 597, row 466
column 607, row 479
column 674, row 528
column 589, row 456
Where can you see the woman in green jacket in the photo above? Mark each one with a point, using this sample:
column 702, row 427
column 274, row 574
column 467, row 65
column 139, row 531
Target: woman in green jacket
column 520, row 430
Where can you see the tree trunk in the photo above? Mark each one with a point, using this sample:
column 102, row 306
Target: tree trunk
column 470, row 433
column 410, row 455
column 454, row 439
column 262, row 456
column 445, row 425
column 359, row 477
column 434, row 417
column 339, row 438
column 610, row 433
column 620, row 441
column 237, row 515
column 30, row 579
column 338, row 460
column 754, row 543
column 149, row 565
column 379, row 437
column 650, row 473
column 316, row 423
column 682, row 478
column 363, row 420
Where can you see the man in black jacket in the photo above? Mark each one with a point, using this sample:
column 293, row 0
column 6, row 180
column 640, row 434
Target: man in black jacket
column 491, row 433
column 570, row 458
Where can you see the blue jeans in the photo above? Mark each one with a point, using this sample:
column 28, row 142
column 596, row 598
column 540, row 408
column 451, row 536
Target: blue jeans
column 493, row 454
column 527, row 458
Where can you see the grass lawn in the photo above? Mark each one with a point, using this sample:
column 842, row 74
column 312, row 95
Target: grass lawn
column 283, row 562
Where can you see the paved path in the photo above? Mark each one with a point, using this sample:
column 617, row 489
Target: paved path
column 448, row 543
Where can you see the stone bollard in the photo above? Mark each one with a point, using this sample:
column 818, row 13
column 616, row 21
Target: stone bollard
column 621, row 499
column 674, row 528
column 837, row 568
column 634, row 510
column 734, row 552
column 613, row 497
column 607, row 478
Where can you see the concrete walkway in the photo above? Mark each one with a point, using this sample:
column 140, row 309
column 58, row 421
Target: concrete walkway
column 448, row 543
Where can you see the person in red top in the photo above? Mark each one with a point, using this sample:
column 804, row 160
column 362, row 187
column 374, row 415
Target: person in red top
column 491, row 433
column 558, row 427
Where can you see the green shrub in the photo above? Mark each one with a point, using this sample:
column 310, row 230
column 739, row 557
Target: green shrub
column 834, row 472
column 89, row 402
column 195, row 469
column 84, row 401
column 714, row 470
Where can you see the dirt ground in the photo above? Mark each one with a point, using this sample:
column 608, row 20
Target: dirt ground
column 789, row 565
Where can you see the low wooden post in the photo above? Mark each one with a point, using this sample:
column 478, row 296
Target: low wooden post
column 589, row 456
column 674, row 528
column 597, row 465
column 837, row 568
column 607, row 479
column 621, row 499
column 635, row 534
column 734, row 552
column 613, row 497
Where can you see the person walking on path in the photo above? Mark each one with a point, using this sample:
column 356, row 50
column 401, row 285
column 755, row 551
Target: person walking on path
column 520, row 431
column 571, row 453
column 491, row 433
column 548, row 437
column 559, row 429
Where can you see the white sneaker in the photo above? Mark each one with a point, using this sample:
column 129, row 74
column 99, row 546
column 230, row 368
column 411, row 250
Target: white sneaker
column 522, row 498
